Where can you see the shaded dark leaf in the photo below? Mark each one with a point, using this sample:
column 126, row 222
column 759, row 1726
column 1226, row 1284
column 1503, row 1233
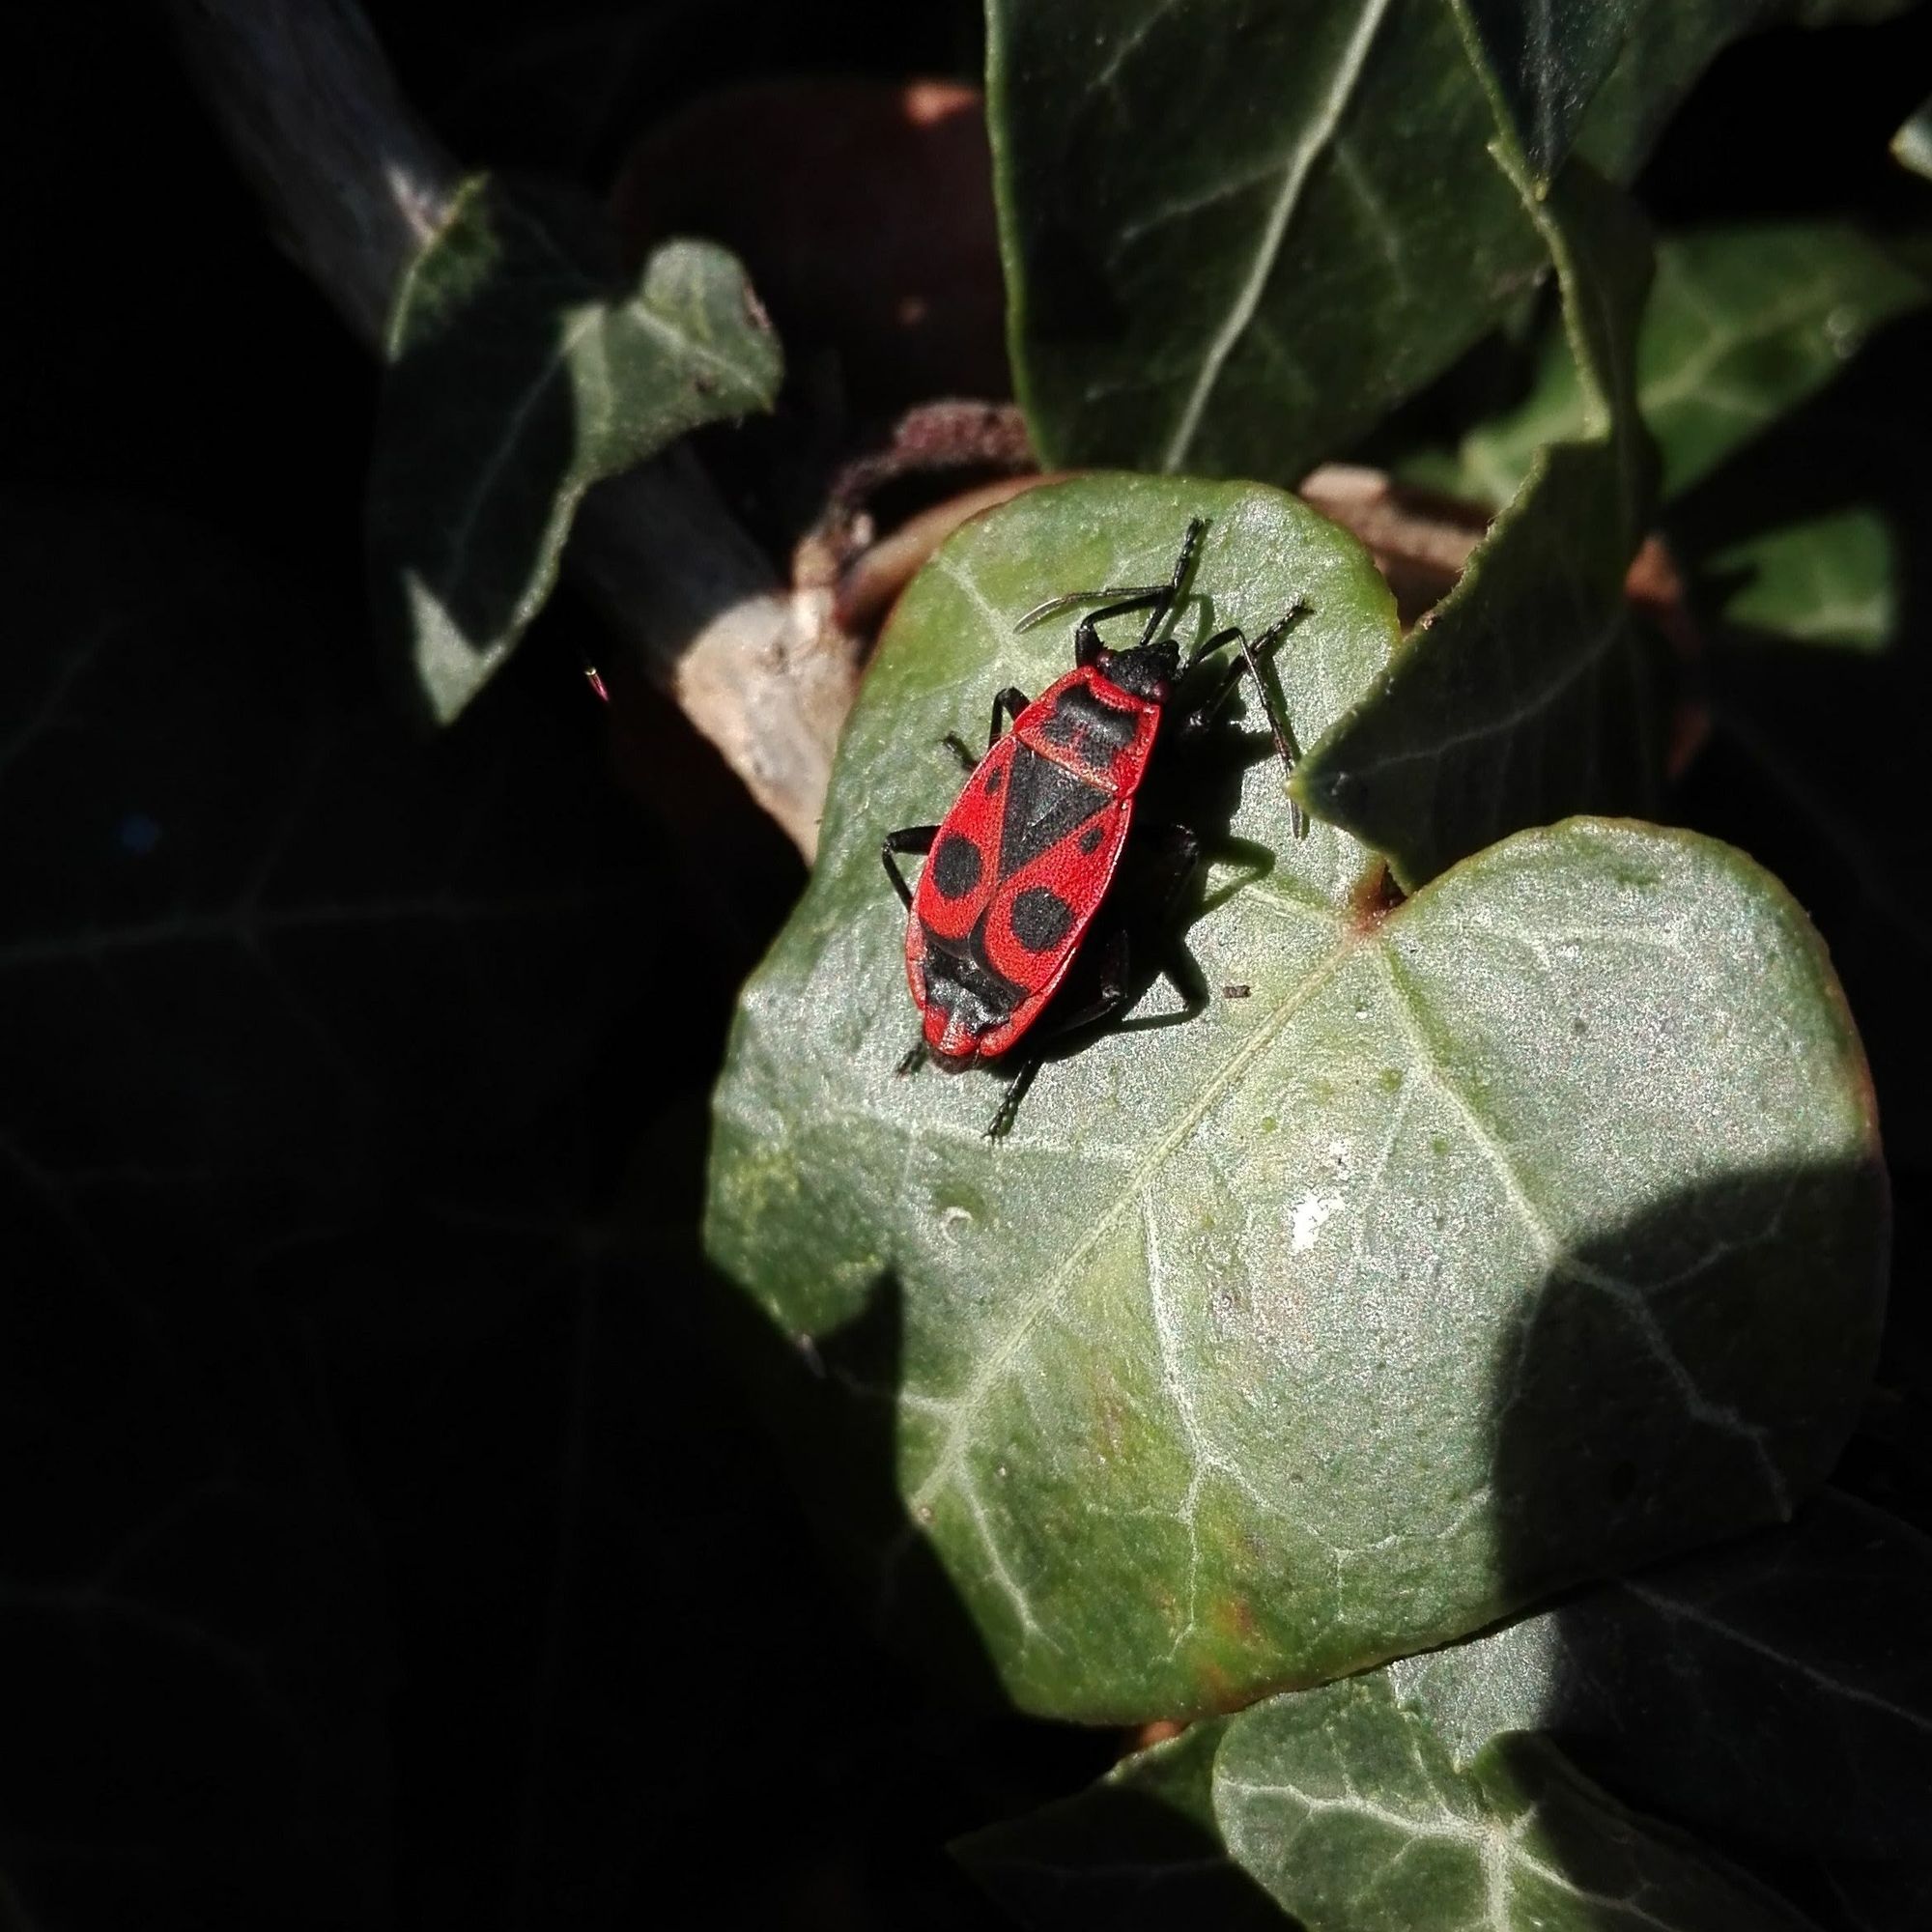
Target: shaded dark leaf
column 1743, row 324
column 1548, row 60
column 1772, row 1697
column 1351, row 1813
column 1668, row 45
column 1528, row 694
column 524, row 366
column 266, row 956
column 1235, row 234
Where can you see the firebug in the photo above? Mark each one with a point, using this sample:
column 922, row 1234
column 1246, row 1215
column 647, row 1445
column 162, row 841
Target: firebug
column 1018, row 873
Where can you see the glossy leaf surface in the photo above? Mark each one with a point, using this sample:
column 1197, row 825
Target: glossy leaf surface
column 1341, row 1318
column 1548, row 58
column 1237, row 233
column 1349, row 1813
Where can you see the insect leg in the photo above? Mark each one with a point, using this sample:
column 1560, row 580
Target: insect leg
column 1130, row 596
column 1209, row 709
column 1088, row 643
column 1249, row 661
column 1159, row 603
column 911, row 840
column 916, row 1057
column 1206, row 647
column 1190, row 544
column 1285, row 746
column 1010, row 702
column 1109, row 997
column 1155, row 598
column 1017, row 1091
column 1178, row 864
column 1179, row 969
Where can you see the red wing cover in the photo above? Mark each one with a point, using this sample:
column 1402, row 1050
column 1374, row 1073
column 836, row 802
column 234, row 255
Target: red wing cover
column 1014, row 878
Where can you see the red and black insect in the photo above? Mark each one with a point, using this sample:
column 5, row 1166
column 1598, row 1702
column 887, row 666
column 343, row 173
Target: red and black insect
column 1019, row 872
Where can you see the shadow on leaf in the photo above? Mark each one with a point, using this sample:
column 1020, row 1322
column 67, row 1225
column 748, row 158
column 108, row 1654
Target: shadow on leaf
column 1670, row 1385
column 834, row 1399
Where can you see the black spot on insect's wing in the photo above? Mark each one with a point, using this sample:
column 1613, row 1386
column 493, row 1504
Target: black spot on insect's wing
column 995, row 779
column 1089, row 839
column 955, row 867
column 1041, row 918
column 1044, row 805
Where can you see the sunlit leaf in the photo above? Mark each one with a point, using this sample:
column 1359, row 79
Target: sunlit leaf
column 1346, row 1316
column 1912, row 143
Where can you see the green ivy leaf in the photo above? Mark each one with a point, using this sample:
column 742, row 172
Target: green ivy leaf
column 1527, row 694
column 1668, row 1687
column 1758, row 1695
column 1834, row 578
column 1342, row 1319
column 1911, row 145
column 1744, row 323
column 524, row 366
column 1548, row 61
column 1349, row 1813
column 1235, row 234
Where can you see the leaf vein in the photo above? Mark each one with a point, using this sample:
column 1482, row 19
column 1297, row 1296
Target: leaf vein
column 1317, row 134
column 996, row 1361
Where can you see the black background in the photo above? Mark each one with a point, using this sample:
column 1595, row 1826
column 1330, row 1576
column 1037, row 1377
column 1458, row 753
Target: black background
column 385, row 1540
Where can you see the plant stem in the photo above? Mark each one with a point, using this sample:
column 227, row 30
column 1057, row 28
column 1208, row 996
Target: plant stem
column 353, row 184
